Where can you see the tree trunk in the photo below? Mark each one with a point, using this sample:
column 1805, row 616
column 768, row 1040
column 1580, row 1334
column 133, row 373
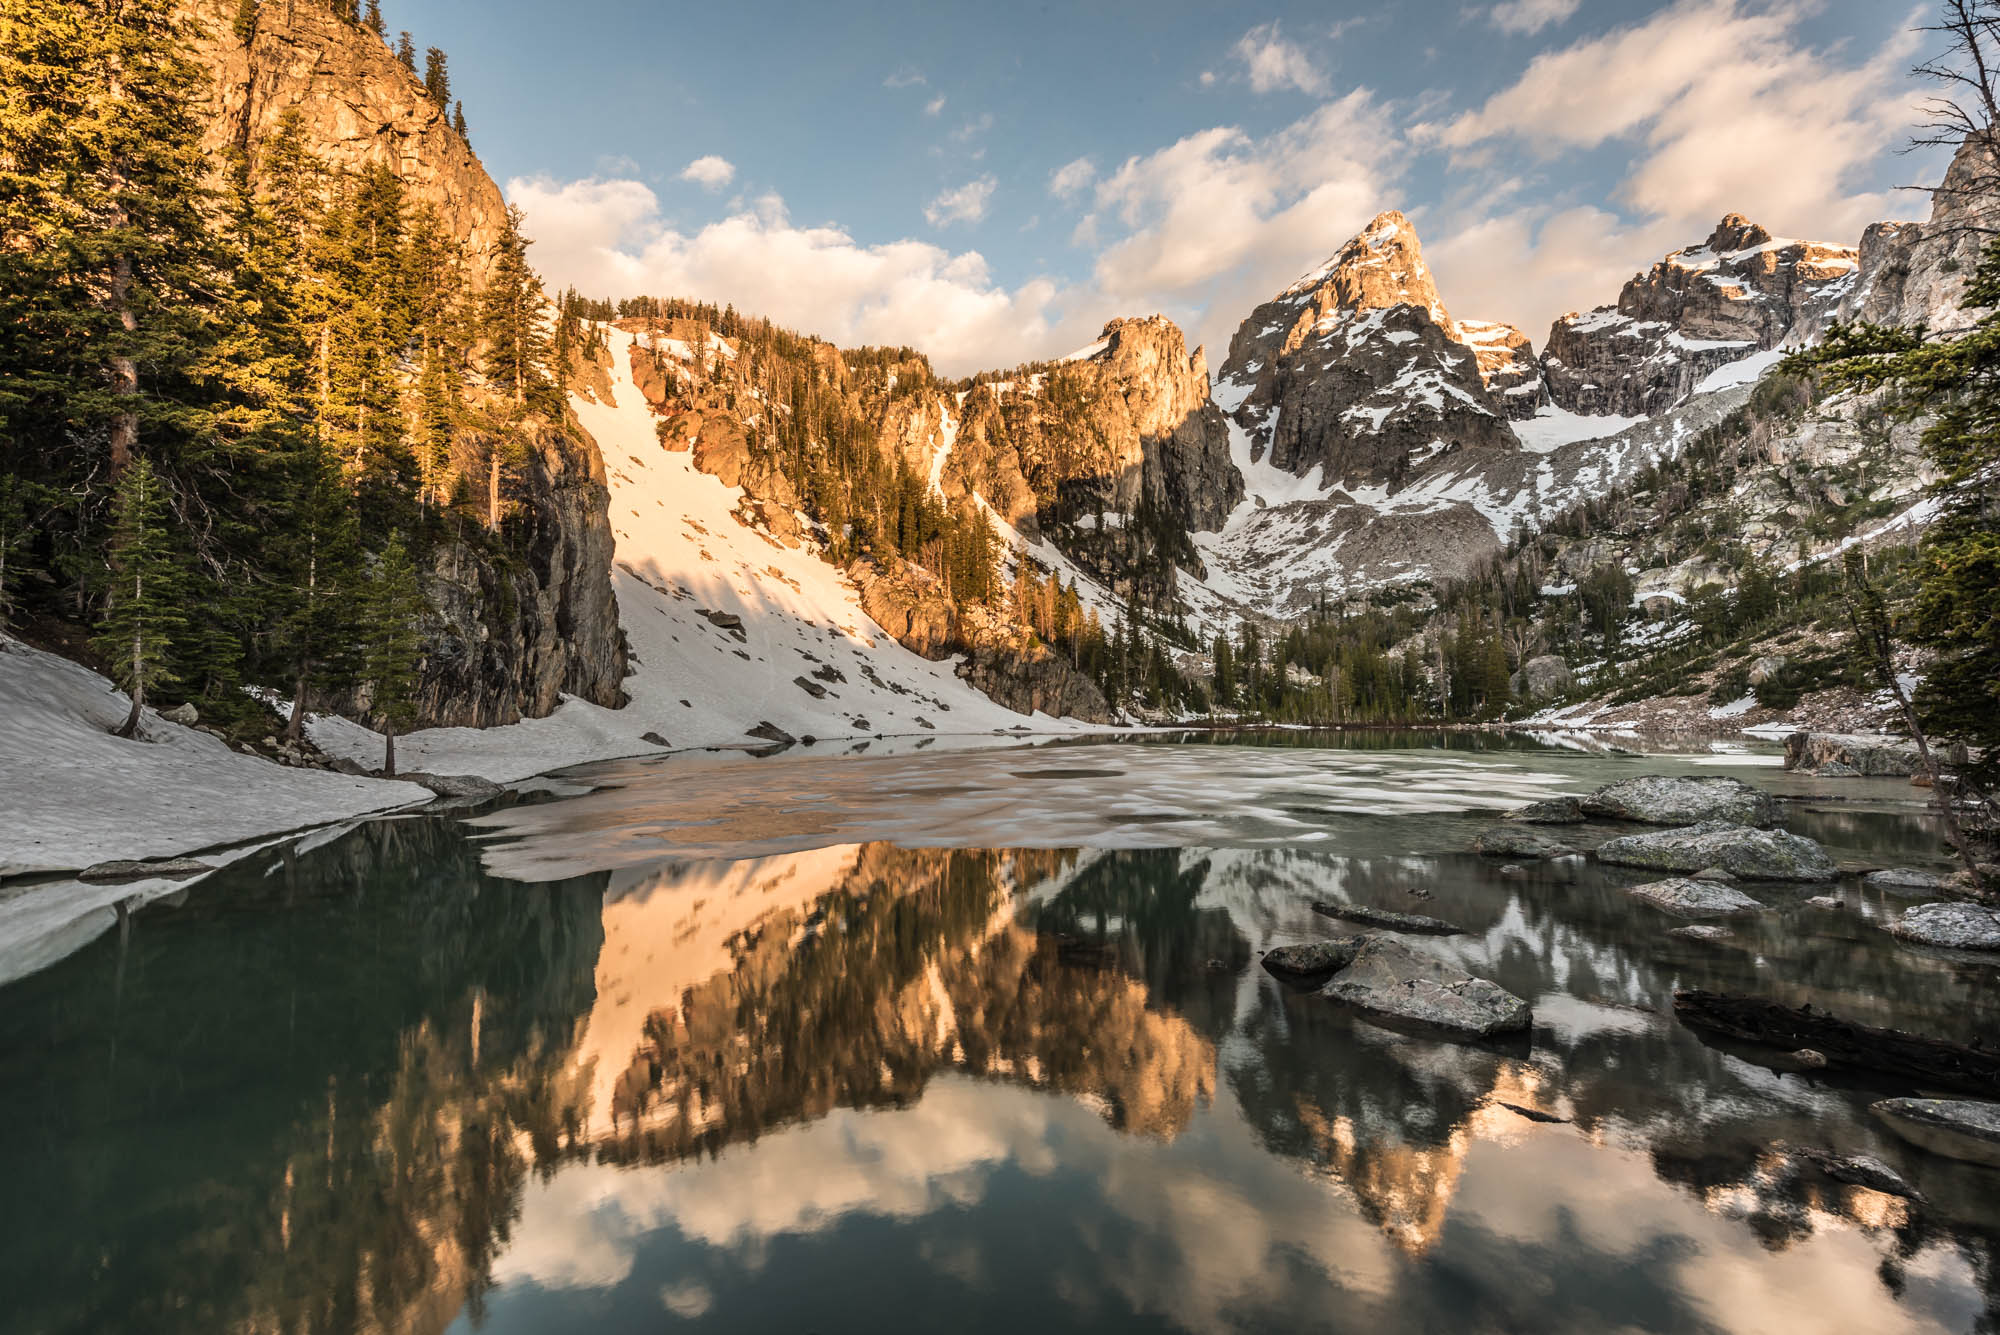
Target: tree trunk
column 493, row 491
column 130, row 727
column 295, row 725
column 389, row 751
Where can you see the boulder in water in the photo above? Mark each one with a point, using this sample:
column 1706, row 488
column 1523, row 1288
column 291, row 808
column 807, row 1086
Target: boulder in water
column 1704, row 933
column 1314, row 959
column 1956, row 1128
column 454, row 785
column 1551, row 811
column 1906, row 882
column 1388, row 919
column 1751, row 855
column 1951, row 925
column 1389, row 979
column 1696, row 899
column 1681, row 800
column 173, row 869
column 1515, row 841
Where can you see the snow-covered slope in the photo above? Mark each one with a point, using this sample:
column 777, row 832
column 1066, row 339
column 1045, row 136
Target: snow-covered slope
column 729, row 628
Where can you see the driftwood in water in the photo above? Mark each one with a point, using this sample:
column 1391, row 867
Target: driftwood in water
column 1972, row 1067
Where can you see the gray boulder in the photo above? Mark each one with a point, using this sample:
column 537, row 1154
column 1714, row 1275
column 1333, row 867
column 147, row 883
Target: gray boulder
column 1515, row 841
column 1704, row 933
column 1862, row 1170
column 1388, row 919
column 1956, row 1128
column 1552, row 811
column 1681, row 800
column 184, row 714
column 1314, row 959
column 1837, row 756
column 1389, row 979
column 1766, row 669
column 173, row 869
column 1696, row 899
column 1751, row 855
column 1542, row 678
column 1906, row 882
column 1951, row 925
column 454, row 785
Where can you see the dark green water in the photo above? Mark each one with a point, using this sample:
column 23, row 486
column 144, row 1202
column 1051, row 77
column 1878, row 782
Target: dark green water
column 868, row 1088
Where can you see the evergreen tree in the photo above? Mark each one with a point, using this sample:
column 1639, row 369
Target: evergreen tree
column 245, row 25
column 458, row 118
column 406, row 50
column 391, row 643
column 144, row 592
column 1225, row 671
column 516, row 345
column 320, row 583
column 374, row 20
column 437, row 80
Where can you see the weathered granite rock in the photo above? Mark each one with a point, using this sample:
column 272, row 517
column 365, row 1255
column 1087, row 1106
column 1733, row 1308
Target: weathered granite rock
column 1388, row 919
column 1915, row 273
column 1552, row 811
column 1516, row 841
column 1389, row 979
column 1314, row 959
column 1956, row 1128
column 1905, row 882
column 454, row 785
column 1681, row 800
column 1829, row 756
column 1950, row 925
column 1696, row 899
column 184, row 714
column 1705, row 933
column 1508, row 365
column 1542, row 678
column 1753, row 855
column 173, row 869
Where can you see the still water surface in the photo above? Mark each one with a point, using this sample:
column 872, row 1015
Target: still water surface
column 967, row 1042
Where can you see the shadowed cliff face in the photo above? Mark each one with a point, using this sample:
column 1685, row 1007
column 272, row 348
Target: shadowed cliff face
column 509, row 635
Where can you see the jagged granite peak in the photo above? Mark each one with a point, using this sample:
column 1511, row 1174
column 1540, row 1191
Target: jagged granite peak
column 1739, row 292
column 1914, row 273
column 1508, row 365
column 1359, row 370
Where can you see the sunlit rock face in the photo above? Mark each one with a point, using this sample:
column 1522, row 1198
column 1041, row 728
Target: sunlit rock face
column 1914, row 273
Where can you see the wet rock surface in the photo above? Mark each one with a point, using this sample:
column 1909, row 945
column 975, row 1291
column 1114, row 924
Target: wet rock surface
column 1953, row 926
column 1957, row 1128
column 1388, row 919
column 171, row 868
column 1517, row 841
column 1696, row 899
column 1314, row 959
column 1752, row 855
column 1389, row 979
column 1554, row 811
column 1681, row 800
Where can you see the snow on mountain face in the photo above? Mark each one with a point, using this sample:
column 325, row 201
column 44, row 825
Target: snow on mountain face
column 1740, row 292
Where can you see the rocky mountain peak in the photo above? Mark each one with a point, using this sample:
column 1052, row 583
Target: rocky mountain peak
column 1381, row 268
column 1735, row 232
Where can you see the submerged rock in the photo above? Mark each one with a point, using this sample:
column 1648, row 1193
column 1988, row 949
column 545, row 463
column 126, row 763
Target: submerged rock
column 1704, row 933
column 1389, row 979
column 1954, row 926
column 1513, row 841
column 1696, row 899
column 1681, row 800
column 1864, row 1170
column 1753, row 855
column 173, row 869
column 1388, row 919
column 1552, row 811
column 1314, row 959
column 1956, row 1128
column 1907, row 882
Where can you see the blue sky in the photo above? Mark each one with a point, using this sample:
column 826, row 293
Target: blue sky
column 993, row 183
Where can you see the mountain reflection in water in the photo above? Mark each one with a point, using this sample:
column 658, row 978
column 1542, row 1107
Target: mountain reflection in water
column 370, row 1087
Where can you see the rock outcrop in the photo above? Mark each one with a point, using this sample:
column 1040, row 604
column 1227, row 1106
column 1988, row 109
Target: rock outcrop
column 1390, row 980
column 1830, row 755
column 506, row 638
column 1358, row 370
column 1696, row 899
column 1681, row 800
column 1754, row 855
column 1739, row 292
column 1509, row 366
column 1914, row 273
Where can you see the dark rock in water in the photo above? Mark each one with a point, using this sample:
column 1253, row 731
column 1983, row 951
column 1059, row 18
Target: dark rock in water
column 655, row 739
column 454, row 785
column 1956, row 1128
column 1812, row 1059
column 1712, row 874
column 1755, row 855
column 1532, row 1114
column 771, row 732
column 1862, row 1170
column 1513, row 871
column 1914, row 1059
column 1389, row 979
column 1554, row 811
column 1953, row 926
column 1681, row 800
column 1416, row 892
column 1388, row 919
column 1706, row 934
column 1905, row 882
column 1696, row 899
column 1315, row 959
column 173, row 869
column 1825, row 903
column 1512, row 841
column 810, row 687
column 1830, row 756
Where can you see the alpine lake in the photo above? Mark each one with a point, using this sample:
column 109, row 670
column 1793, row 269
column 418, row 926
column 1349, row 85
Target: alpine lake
column 978, row 1039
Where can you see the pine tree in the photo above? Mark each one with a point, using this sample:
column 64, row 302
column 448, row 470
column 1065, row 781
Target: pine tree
column 318, row 557
column 516, row 345
column 437, row 80
column 406, row 50
column 374, row 20
column 144, row 591
column 392, row 644
column 458, row 118
column 245, row 26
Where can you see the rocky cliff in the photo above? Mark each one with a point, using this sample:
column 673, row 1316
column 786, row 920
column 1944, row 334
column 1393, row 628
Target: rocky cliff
column 1914, row 273
column 511, row 631
column 1740, row 292
column 1358, row 370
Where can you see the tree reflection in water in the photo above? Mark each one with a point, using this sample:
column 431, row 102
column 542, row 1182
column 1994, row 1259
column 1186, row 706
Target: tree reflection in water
column 319, row 1095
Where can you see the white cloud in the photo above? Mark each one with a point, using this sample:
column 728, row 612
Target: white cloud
column 906, row 77
column 1072, row 177
column 934, row 106
column 1531, row 16
column 609, row 237
column 710, row 172
column 965, row 203
column 1274, row 63
column 973, row 128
